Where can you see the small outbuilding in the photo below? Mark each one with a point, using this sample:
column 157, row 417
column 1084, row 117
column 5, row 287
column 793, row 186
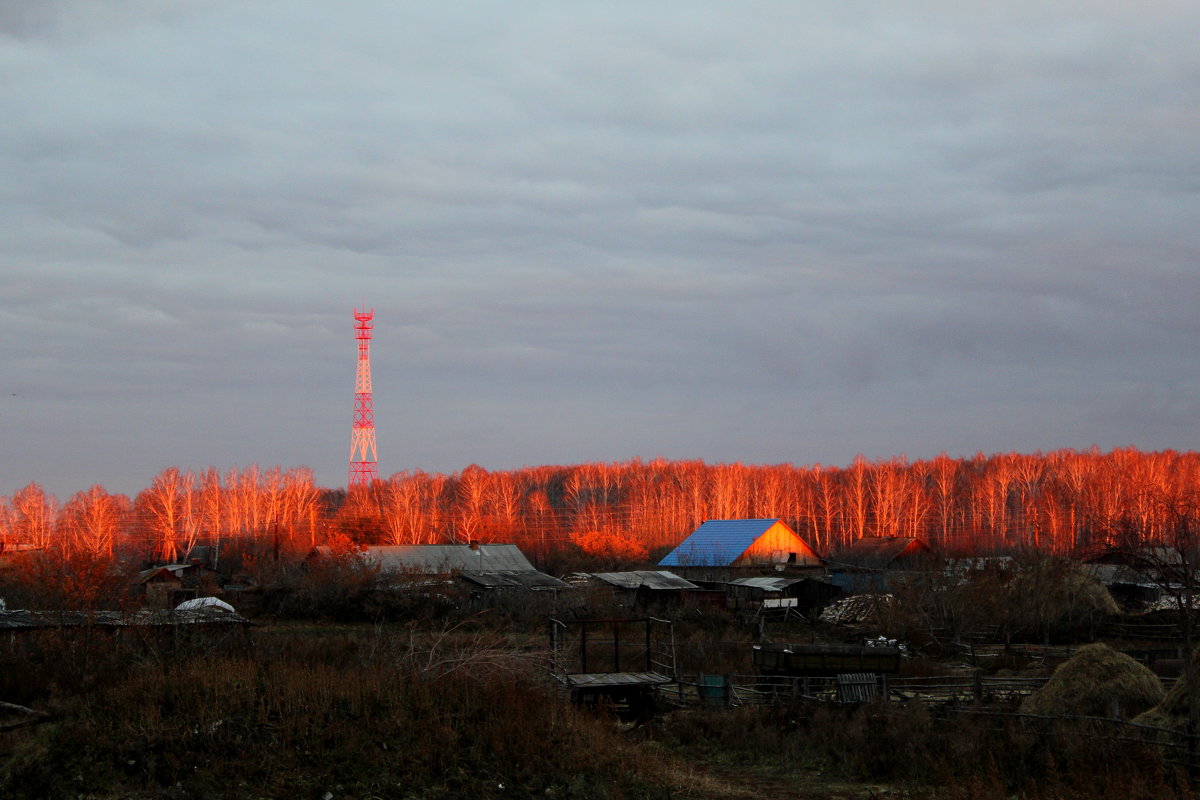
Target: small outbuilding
column 778, row 593
column 1130, row 587
column 168, row 585
column 651, row 587
column 742, row 543
column 1139, row 577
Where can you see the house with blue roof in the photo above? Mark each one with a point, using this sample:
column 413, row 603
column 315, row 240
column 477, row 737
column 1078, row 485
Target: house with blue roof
column 741, row 543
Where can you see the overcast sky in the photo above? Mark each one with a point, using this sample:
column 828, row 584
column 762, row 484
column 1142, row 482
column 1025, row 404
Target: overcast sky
column 592, row 231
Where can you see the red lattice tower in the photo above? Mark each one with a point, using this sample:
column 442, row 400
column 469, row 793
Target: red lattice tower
column 364, row 463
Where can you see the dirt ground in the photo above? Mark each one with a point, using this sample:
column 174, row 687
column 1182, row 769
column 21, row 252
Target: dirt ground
column 733, row 783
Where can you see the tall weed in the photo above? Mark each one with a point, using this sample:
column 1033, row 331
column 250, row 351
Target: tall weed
column 389, row 716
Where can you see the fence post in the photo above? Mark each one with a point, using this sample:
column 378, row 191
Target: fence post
column 616, row 632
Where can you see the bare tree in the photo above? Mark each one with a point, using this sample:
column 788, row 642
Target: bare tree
column 299, row 505
column 93, row 520
column 857, row 494
column 34, row 512
column 7, row 518
column 164, row 509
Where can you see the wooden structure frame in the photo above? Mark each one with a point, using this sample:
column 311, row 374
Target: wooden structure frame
column 615, row 663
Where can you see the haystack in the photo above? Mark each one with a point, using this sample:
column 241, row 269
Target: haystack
column 1064, row 586
column 1092, row 594
column 1094, row 679
column 1172, row 711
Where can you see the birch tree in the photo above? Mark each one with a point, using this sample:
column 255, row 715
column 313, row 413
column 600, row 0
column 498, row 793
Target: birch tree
column 33, row 517
column 93, row 520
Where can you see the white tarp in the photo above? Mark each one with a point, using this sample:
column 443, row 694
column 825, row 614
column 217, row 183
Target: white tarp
column 204, row 604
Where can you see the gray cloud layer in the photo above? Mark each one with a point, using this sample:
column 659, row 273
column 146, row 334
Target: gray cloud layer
column 755, row 231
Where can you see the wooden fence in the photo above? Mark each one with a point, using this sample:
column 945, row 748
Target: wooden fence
column 760, row 689
column 1179, row 748
column 965, row 695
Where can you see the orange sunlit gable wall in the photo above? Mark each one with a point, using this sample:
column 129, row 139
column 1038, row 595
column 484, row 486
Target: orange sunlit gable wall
column 775, row 545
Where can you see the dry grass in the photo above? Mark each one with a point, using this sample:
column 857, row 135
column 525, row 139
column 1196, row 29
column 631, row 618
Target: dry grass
column 383, row 714
column 925, row 752
column 1172, row 711
column 1094, row 680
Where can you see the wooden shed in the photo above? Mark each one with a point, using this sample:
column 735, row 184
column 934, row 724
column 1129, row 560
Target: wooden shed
column 779, row 592
column 644, row 588
column 168, row 585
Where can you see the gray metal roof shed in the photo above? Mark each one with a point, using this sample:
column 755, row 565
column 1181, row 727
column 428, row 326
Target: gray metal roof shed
column 536, row 581
column 658, row 580
column 442, row 559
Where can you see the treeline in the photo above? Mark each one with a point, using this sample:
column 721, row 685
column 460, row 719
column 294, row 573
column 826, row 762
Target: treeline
column 1061, row 501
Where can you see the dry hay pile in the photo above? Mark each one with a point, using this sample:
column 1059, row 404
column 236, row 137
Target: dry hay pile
column 1091, row 681
column 1172, row 712
column 1064, row 586
column 856, row 609
column 1091, row 593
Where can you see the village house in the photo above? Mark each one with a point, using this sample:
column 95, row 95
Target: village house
column 873, row 563
column 489, row 567
column 721, row 547
column 168, row 585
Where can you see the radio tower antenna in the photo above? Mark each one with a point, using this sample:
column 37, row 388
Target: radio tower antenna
column 364, row 463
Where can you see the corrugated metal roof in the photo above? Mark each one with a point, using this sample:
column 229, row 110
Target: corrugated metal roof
column 28, row 620
column 717, row 543
column 504, row 580
column 768, row 583
column 645, row 579
column 445, row 558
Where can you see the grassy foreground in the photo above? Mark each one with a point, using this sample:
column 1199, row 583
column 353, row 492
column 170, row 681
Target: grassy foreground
column 398, row 712
column 302, row 715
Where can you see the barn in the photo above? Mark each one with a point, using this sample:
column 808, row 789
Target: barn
column 885, row 552
column 742, row 543
column 872, row 563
